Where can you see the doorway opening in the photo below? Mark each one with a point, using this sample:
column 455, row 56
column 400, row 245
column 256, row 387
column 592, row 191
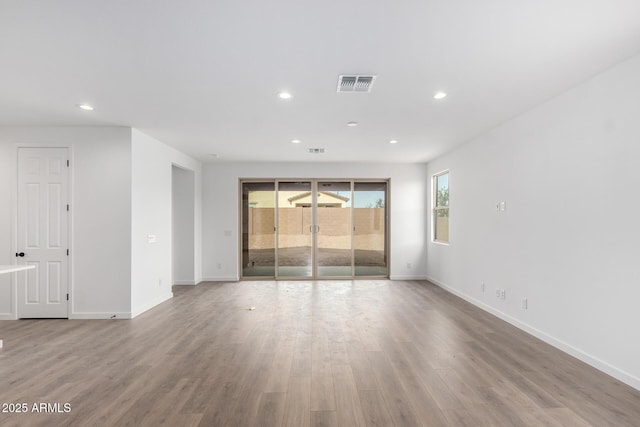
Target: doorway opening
column 314, row 229
column 183, row 225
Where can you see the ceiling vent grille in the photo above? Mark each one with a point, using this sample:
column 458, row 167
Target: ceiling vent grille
column 352, row 83
column 316, row 150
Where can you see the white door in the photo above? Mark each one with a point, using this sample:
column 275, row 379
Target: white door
column 43, row 188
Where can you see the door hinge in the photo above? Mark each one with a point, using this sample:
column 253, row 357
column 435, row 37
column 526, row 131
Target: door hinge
column 67, row 207
column 67, row 297
column 67, row 252
column 67, row 163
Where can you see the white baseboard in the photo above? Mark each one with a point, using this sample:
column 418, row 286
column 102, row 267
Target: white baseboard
column 601, row 365
column 84, row 316
column 100, row 316
column 221, row 279
column 148, row 306
column 185, row 283
column 0, row 343
column 408, row 277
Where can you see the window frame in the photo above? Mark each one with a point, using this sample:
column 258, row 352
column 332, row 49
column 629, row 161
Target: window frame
column 435, row 208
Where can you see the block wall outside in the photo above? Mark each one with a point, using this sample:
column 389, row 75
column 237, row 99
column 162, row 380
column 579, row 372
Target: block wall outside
column 295, row 228
column 442, row 228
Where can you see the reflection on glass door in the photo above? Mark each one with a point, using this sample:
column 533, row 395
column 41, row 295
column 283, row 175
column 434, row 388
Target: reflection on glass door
column 295, row 229
column 370, row 231
column 258, row 235
column 333, row 228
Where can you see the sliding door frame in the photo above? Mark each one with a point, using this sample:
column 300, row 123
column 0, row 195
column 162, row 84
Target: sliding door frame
column 314, row 235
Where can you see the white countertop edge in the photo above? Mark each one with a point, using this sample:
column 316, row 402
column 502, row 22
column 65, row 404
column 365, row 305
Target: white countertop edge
column 12, row 268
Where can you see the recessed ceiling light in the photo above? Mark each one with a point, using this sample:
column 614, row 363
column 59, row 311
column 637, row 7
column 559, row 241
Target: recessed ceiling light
column 352, row 124
column 284, row 95
column 393, row 141
column 295, row 141
column 86, row 107
column 440, row 95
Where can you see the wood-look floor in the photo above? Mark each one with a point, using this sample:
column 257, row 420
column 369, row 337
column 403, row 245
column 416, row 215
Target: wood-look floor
column 331, row 353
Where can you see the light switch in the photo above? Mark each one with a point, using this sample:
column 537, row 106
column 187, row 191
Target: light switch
column 151, row 238
column 503, row 206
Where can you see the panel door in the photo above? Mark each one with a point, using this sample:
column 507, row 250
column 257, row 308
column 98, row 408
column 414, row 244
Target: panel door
column 43, row 187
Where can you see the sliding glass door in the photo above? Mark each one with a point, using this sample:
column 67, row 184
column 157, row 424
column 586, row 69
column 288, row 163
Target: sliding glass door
column 370, row 229
column 258, row 232
column 295, row 229
column 334, row 247
column 301, row 229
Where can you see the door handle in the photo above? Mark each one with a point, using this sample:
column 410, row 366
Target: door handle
column 21, row 254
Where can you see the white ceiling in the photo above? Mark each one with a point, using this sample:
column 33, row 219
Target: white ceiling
column 203, row 75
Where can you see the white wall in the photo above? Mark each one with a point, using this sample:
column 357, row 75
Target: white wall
column 568, row 240
column 183, row 222
column 7, row 203
column 151, row 275
column 100, row 215
column 220, row 210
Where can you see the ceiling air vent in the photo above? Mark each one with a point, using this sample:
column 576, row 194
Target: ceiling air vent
column 355, row 83
column 316, row 150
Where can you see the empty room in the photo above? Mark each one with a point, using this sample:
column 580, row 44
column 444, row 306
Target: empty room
column 338, row 213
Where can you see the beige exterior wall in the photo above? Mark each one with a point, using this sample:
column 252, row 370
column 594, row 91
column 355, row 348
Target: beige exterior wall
column 295, row 223
column 266, row 199
column 442, row 227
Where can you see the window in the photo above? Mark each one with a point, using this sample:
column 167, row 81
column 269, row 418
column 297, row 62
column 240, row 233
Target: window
column 441, row 207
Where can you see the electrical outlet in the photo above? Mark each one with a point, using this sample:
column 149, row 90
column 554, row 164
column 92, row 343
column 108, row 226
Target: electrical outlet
column 160, row 282
column 497, row 292
column 525, row 304
column 503, row 294
column 482, row 287
column 408, row 266
column 219, row 266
